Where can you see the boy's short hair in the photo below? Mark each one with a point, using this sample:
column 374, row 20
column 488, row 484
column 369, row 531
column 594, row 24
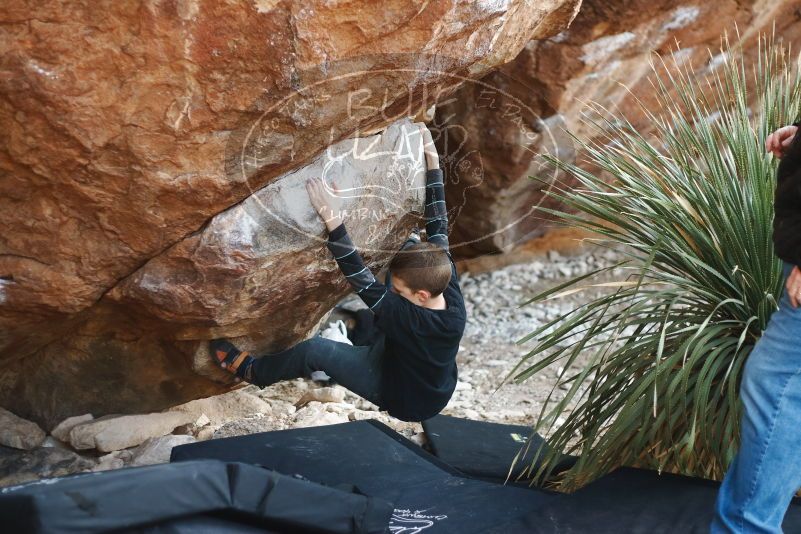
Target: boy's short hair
column 423, row 266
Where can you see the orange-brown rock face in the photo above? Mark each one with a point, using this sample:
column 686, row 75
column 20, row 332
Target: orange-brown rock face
column 127, row 127
column 603, row 57
column 257, row 273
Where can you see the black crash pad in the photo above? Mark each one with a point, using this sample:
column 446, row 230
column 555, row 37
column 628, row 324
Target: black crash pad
column 634, row 501
column 197, row 496
column 485, row 450
column 427, row 493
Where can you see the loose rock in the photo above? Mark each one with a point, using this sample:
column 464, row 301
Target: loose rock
column 206, row 433
column 315, row 414
column 19, row 433
column 109, row 462
column 329, row 394
column 62, row 430
column 125, row 431
column 225, row 407
column 157, row 450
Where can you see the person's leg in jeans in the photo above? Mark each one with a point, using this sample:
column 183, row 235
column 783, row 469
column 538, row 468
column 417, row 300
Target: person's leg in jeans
column 766, row 472
column 356, row 368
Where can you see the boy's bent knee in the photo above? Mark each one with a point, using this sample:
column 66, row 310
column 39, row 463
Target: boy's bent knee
column 318, row 350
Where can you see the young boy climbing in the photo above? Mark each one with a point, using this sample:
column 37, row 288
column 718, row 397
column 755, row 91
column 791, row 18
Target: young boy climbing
column 411, row 370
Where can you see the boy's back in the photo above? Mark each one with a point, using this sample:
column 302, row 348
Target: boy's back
column 419, row 374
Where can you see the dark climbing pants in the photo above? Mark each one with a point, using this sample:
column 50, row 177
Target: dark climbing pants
column 355, row 368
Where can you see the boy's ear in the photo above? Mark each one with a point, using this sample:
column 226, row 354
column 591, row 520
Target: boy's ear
column 423, row 294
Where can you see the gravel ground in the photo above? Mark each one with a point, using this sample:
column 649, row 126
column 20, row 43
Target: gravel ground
column 496, row 321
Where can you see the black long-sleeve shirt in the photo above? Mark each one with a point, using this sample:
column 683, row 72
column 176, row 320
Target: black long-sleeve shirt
column 419, row 366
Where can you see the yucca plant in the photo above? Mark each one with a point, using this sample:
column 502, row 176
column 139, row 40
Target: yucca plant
column 689, row 209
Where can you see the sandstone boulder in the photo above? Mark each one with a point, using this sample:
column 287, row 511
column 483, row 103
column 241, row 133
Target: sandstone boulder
column 258, row 273
column 128, row 130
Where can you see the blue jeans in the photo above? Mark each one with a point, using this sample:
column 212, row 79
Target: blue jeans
column 766, row 472
column 356, row 368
